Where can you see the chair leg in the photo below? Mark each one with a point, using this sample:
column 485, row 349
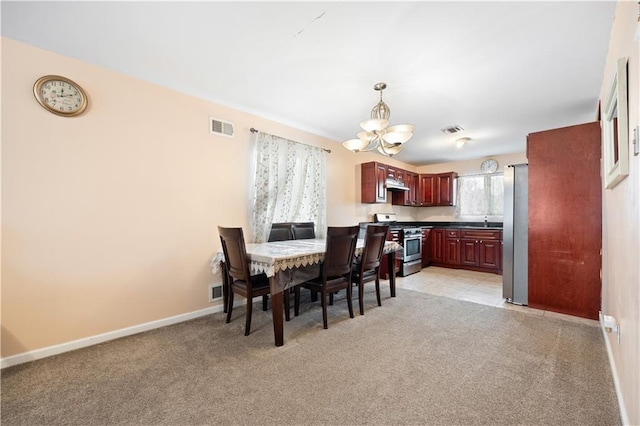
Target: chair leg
column 331, row 299
column 296, row 301
column 264, row 302
column 287, row 300
column 323, row 295
column 349, row 301
column 247, row 326
column 225, row 287
column 361, row 296
column 378, row 291
column 314, row 296
column 229, row 306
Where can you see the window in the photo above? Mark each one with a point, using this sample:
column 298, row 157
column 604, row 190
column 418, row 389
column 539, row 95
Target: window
column 480, row 195
column 288, row 185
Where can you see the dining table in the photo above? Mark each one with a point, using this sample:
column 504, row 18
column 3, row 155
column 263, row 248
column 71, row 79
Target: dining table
column 292, row 262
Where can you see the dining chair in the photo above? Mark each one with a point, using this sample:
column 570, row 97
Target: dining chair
column 239, row 279
column 303, row 230
column 366, row 267
column 335, row 271
column 281, row 232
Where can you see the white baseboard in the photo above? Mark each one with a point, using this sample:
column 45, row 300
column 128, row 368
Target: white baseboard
column 624, row 417
column 101, row 338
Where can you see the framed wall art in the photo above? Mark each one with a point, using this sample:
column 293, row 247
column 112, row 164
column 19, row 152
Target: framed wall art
column 615, row 128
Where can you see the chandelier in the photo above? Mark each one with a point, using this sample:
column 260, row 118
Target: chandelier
column 376, row 132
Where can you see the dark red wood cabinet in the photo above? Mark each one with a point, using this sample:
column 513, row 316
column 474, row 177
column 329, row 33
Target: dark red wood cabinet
column 473, row 249
column 373, row 188
column 452, row 247
column 426, row 247
column 437, row 189
column 437, row 246
column 427, row 190
column 565, row 220
column 446, row 184
column 410, row 197
column 424, row 190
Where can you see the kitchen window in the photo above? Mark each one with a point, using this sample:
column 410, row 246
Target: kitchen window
column 480, row 195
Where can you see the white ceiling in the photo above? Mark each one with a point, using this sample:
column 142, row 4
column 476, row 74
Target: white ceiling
column 498, row 69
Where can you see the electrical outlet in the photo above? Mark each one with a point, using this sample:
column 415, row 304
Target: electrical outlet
column 636, row 140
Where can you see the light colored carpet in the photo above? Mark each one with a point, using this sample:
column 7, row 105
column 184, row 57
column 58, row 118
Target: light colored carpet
column 418, row 359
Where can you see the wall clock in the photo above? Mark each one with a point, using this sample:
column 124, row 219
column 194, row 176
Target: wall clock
column 60, row 95
column 489, row 166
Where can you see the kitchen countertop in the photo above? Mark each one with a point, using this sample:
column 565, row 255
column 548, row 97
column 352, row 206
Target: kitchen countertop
column 492, row 226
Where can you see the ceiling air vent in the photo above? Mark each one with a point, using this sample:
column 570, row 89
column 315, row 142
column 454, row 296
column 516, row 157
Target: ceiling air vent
column 451, row 129
column 220, row 127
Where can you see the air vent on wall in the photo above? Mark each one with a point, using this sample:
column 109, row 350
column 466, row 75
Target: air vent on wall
column 451, row 129
column 220, row 127
column 215, row 292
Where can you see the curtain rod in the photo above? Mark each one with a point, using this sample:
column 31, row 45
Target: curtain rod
column 254, row 130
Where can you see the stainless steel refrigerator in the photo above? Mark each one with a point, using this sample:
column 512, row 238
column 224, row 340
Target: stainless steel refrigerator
column 515, row 234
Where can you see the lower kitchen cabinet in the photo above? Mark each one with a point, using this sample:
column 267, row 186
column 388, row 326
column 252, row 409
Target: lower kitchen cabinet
column 437, row 246
column 452, row 247
column 473, row 249
column 426, row 247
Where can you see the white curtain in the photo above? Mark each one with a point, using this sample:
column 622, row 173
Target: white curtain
column 289, row 185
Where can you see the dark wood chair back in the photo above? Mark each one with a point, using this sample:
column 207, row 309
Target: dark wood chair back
column 281, row 232
column 374, row 240
column 239, row 279
column 303, row 230
column 367, row 267
column 341, row 246
column 235, row 253
column 336, row 269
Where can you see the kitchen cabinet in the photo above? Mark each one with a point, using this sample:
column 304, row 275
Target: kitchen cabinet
column 373, row 188
column 446, row 188
column 565, row 220
column 481, row 249
column 410, row 197
column 395, row 173
column 426, row 247
column 452, row 247
column 437, row 246
column 472, row 249
column 425, row 190
column 437, row 189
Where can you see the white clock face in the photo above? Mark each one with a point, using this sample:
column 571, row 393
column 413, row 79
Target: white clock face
column 489, row 166
column 60, row 95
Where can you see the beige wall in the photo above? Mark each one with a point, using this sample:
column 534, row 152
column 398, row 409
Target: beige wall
column 109, row 218
column 621, row 226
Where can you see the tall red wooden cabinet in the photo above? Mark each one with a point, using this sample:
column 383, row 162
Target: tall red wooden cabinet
column 565, row 220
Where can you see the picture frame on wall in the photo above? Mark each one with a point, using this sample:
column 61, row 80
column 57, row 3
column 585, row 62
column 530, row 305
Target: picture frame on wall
column 615, row 128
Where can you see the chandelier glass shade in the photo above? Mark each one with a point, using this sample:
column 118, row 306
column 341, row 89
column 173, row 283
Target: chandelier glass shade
column 376, row 132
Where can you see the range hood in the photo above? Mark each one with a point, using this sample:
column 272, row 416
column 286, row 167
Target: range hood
column 395, row 185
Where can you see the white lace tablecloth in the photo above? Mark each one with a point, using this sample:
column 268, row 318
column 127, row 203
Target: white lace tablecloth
column 291, row 262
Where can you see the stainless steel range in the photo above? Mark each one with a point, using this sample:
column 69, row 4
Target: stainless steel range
column 410, row 237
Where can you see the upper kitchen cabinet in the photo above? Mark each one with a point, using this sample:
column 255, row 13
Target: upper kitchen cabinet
column 373, row 188
column 410, row 196
column 437, row 189
column 408, row 188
